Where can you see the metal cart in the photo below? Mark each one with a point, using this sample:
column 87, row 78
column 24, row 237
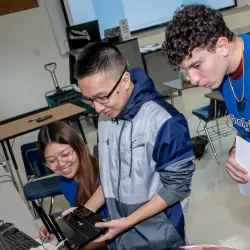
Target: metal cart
column 67, row 94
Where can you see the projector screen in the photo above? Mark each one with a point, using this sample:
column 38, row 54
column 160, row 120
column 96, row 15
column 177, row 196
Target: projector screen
column 141, row 14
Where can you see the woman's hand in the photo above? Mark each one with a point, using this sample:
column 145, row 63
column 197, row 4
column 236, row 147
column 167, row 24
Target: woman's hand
column 44, row 235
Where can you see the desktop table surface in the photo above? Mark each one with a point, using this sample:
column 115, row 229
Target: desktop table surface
column 14, row 210
column 12, row 207
column 25, row 125
column 215, row 95
column 179, row 84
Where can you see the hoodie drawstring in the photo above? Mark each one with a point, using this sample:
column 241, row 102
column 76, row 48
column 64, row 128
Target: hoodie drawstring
column 131, row 147
column 119, row 159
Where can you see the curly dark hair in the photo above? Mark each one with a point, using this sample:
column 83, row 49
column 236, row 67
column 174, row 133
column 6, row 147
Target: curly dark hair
column 194, row 26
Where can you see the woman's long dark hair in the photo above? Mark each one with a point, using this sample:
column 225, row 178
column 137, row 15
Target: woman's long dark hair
column 87, row 175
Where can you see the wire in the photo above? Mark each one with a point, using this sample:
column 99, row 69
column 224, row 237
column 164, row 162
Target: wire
column 5, row 175
column 11, row 179
column 5, row 181
column 44, row 246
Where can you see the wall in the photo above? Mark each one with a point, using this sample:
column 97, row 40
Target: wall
column 238, row 17
column 27, row 44
column 241, row 3
column 235, row 18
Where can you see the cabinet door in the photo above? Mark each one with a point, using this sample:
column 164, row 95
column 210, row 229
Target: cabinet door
column 160, row 70
column 131, row 52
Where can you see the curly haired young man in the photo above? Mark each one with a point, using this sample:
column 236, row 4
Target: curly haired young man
column 198, row 40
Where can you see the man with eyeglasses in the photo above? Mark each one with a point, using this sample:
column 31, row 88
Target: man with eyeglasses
column 145, row 153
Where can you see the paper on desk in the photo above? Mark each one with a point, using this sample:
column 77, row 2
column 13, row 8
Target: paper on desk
column 242, row 157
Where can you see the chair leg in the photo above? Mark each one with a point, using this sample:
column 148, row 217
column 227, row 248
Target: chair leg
column 172, row 97
column 51, row 204
column 217, row 125
column 29, row 207
column 197, row 130
column 211, row 144
column 41, row 202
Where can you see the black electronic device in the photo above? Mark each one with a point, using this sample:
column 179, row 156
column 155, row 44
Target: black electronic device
column 81, row 34
column 74, row 230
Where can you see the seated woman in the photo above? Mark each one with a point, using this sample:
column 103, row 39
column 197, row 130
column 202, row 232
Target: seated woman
column 66, row 154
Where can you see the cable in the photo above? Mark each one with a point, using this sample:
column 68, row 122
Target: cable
column 5, row 181
column 44, row 246
column 5, row 175
column 14, row 183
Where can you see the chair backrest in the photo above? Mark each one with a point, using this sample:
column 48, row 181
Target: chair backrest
column 33, row 163
column 95, row 151
column 217, row 109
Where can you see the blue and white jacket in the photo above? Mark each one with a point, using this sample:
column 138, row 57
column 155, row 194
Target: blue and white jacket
column 144, row 152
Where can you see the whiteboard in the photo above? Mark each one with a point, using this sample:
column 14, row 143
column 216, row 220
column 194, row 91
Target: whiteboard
column 152, row 12
column 141, row 14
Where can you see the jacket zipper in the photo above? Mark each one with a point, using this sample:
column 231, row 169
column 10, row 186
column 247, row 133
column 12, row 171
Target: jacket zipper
column 119, row 175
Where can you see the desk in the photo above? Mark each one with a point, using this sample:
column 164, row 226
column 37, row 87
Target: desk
column 177, row 85
column 21, row 126
column 12, row 207
column 215, row 95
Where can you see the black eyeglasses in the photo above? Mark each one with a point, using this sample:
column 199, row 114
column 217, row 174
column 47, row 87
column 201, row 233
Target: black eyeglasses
column 104, row 99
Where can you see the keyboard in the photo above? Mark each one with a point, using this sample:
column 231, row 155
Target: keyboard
column 18, row 241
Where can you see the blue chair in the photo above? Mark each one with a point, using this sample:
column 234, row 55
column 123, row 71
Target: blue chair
column 209, row 113
column 95, row 151
column 41, row 183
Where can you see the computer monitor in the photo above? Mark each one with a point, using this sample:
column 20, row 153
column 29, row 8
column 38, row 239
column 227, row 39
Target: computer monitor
column 80, row 35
